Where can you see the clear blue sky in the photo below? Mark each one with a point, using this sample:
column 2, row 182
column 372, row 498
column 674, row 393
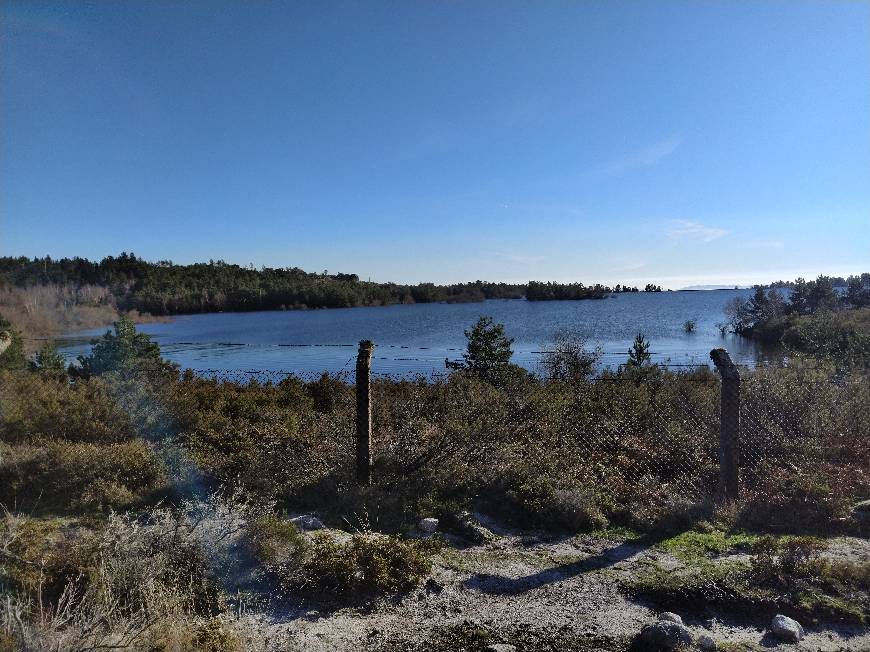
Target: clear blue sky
column 674, row 142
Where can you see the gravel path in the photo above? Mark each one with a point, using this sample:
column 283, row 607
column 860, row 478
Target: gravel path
column 537, row 594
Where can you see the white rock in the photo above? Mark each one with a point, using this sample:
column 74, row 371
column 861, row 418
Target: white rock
column 786, row 628
column 670, row 616
column 500, row 647
column 307, row 522
column 428, row 525
column 706, row 642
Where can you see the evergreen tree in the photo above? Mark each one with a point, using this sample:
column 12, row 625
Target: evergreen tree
column 638, row 354
column 124, row 350
column 799, row 301
column 488, row 354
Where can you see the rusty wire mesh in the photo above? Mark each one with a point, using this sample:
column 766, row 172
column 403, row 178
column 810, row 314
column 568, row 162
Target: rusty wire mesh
column 654, row 435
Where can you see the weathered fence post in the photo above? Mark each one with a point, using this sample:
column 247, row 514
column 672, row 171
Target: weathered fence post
column 364, row 412
column 729, row 423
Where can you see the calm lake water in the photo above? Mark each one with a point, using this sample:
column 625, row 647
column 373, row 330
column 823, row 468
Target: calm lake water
column 417, row 338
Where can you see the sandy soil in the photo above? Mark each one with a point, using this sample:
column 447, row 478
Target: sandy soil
column 535, row 593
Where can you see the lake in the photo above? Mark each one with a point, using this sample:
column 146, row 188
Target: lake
column 414, row 339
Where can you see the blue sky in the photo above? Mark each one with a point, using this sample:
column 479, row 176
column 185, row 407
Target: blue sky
column 675, row 142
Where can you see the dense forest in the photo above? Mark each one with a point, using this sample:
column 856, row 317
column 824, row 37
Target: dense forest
column 166, row 288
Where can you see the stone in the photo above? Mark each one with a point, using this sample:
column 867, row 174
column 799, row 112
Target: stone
column 665, row 635
column 786, row 629
column 861, row 511
column 307, row 522
column 671, row 616
column 706, row 642
column 500, row 647
column 428, row 525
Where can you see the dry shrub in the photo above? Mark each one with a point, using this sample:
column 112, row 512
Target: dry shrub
column 276, row 542
column 36, row 406
column 661, row 508
column 110, row 586
column 63, row 476
column 367, row 565
column 788, row 502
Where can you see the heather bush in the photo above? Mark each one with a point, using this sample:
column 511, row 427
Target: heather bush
column 60, row 476
column 364, row 566
column 275, row 541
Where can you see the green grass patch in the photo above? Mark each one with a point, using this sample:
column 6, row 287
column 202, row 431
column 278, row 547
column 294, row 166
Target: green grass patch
column 785, row 574
column 694, row 546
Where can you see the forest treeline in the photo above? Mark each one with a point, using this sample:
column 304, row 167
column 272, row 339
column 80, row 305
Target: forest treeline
column 823, row 318
column 166, row 288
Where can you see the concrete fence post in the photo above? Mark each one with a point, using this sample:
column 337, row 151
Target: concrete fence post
column 364, row 413
column 729, row 424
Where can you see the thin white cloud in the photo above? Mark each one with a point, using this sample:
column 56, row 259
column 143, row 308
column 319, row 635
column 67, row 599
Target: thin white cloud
column 690, row 230
column 522, row 259
column 767, row 244
column 645, row 157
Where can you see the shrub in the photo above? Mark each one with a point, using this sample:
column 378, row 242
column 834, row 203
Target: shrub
column 658, row 507
column 214, row 636
column 789, row 502
column 366, row 565
column 276, row 541
column 63, row 476
column 814, row 584
column 36, row 405
column 11, row 347
column 36, row 565
column 541, row 503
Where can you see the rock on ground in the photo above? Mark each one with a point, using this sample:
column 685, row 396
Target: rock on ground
column 307, row 522
column 786, row 628
column 428, row 525
column 671, row 616
column 665, row 635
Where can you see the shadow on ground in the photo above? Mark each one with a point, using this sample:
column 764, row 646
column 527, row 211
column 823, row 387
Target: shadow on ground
column 500, row 585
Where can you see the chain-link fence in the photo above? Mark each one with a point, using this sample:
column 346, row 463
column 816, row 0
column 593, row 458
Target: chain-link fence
column 627, row 435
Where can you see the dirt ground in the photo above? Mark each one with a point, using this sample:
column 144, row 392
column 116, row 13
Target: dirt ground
column 537, row 593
